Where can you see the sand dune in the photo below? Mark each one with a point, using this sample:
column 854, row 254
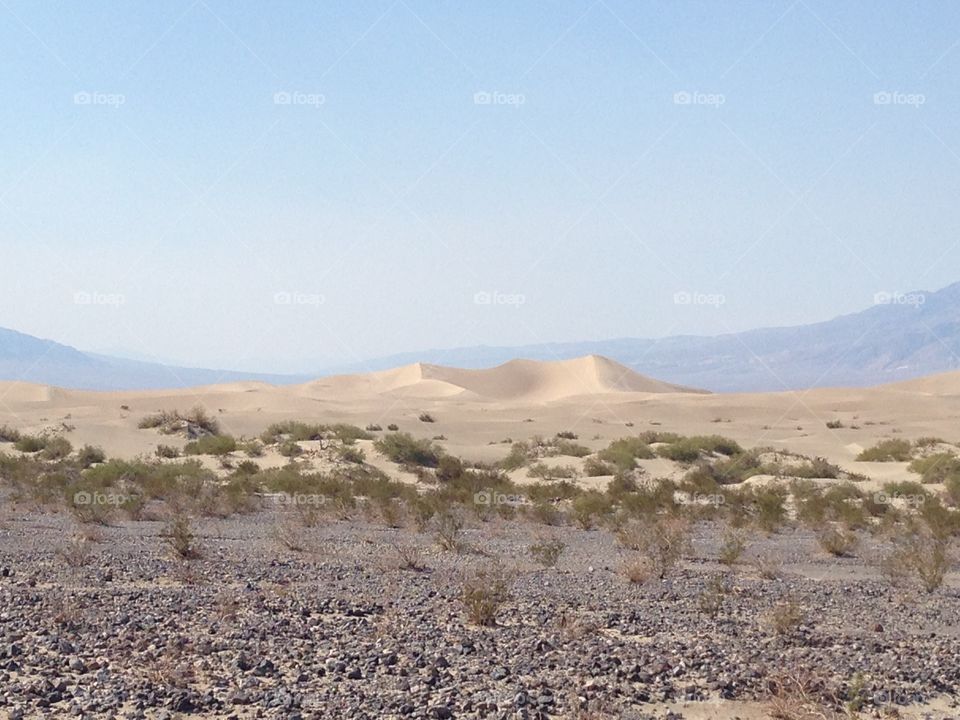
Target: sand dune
column 521, row 381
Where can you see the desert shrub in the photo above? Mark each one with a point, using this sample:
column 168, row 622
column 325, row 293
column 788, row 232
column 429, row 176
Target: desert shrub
column 551, row 472
column 570, row 449
column 567, row 435
column 351, row 454
column 711, row 597
column 447, row 530
column 689, row 449
column 786, row 617
column 483, row 592
column 404, row 449
column 731, row 547
column 251, row 448
column 393, row 427
column 952, row 491
column 30, row 443
column 373, row 427
column 167, row 451
column 707, row 476
column 517, row 458
column 936, row 468
column 290, row 449
column 595, row 467
column 426, row 417
column 768, row 565
column 547, row 552
column 887, row 451
column 663, row 541
column 625, row 452
column 769, row 507
column 179, row 539
column 9, row 434
column 409, row 558
column 816, row 468
column 56, row 448
column 837, row 541
column 287, row 532
column 639, row 569
column 449, row 469
column 292, row 430
column 89, row 455
column 589, row 507
column 834, row 424
column 196, row 422
column 77, row 551
column 211, row 445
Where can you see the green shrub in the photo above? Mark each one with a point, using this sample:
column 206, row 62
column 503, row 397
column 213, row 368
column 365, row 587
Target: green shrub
column 290, row 449
column 89, row 455
column 426, row 417
column 687, row 450
column 625, row 452
column 570, row 449
column 211, row 445
column 594, row 467
column 30, row 443
column 351, row 454
column 404, row 449
column 517, row 458
column 167, row 451
column 589, row 507
column 937, row 468
column 887, row 451
column 56, row 448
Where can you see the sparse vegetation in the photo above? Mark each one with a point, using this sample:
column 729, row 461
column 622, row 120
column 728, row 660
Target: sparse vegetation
column 547, row 552
column 895, row 450
column 483, row 592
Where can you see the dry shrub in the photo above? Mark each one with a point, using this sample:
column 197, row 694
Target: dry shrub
column 483, row 592
column 786, row 617
column 663, row 541
column 409, row 558
column 547, row 551
column 800, row 696
column 288, row 533
column 918, row 557
column 769, row 565
column 710, row 600
column 447, row 528
column 179, row 539
column 77, row 551
column 837, row 542
column 639, row 570
column 731, row 548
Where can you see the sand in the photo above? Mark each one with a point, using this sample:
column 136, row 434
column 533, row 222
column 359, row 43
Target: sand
column 477, row 411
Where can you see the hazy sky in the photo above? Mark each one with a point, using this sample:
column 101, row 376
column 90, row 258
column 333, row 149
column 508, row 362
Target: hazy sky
column 267, row 185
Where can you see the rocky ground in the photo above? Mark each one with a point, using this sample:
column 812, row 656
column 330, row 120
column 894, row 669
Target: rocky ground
column 338, row 630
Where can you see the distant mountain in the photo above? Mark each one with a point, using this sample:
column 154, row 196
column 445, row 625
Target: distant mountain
column 902, row 336
column 29, row 359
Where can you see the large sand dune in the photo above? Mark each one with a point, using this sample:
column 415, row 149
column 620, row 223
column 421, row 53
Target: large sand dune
column 476, row 411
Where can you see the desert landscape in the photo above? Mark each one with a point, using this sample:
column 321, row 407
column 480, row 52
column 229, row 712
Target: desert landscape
column 561, row 539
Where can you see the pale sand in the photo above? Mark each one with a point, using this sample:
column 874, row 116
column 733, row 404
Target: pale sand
column 476, row 410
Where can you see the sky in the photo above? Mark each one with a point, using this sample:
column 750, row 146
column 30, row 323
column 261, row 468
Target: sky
column 278, row 186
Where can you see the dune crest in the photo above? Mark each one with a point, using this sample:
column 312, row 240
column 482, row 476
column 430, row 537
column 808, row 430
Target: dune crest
column 516, row 380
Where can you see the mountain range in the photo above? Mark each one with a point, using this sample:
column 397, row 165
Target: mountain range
column 902, row 336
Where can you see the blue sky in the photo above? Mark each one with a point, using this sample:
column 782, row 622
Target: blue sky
column 272, row 186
